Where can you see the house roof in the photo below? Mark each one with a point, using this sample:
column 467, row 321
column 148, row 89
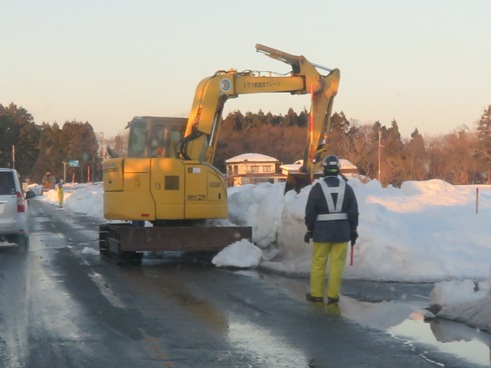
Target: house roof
column 251, row 157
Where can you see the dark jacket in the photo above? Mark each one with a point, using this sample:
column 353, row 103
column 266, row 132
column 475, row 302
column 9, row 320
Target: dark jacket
column 337, row 231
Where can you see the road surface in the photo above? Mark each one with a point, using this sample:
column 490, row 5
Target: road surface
column 61, row 306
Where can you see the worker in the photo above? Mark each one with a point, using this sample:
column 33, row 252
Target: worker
column 49, row 181
column 61, row 193
column 331, row 217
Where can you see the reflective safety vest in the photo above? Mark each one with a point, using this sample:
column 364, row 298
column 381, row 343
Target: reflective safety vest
column 334, row 209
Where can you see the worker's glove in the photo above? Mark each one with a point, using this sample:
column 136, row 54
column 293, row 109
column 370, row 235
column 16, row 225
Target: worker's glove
column 353, row 237
column 307, row 237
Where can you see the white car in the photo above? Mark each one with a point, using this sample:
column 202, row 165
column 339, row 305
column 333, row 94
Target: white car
column 13, row 209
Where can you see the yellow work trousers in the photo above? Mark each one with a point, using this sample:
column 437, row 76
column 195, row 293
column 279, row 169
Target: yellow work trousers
column 336, row 253
column 61, row 194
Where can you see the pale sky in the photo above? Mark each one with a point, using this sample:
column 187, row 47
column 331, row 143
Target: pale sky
column 424, row 63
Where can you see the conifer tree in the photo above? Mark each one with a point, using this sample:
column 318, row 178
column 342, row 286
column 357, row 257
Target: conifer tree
column 483, row 149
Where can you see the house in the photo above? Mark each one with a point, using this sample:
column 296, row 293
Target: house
column 253, row 168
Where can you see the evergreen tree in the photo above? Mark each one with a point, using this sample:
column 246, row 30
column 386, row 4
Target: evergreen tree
column 337, row 137
column 291, row 118
column 49, row 159
column 252, row 120
column 237, row 120
column 303, row 119
column 27, row 149
column 79, row 142
column 483, row 147
column 261, row 118
column 8, row 132
column 392, row 159
column 19, row 139
column 74, row 141
column 415, row 163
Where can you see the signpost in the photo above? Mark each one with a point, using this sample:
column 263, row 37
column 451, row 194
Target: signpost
column 70, row 163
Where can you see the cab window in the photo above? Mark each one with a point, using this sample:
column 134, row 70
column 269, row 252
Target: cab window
column 136, row 145
column 163, row 140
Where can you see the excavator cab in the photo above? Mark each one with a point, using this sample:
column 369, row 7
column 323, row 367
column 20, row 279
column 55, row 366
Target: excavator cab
column 153, row 137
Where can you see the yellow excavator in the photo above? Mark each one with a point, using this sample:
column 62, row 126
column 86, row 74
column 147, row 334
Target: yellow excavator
column 167, row 178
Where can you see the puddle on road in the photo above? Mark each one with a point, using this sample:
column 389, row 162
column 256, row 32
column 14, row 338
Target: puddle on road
column 405, row 320
column 447, row 336
column 263, row 348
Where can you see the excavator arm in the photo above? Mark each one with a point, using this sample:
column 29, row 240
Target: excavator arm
column 201, row 134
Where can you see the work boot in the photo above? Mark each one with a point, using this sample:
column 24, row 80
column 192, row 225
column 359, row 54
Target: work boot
column 312, row 298
column 332, row 300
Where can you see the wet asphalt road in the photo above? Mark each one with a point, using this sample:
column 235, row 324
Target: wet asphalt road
column 61, row 307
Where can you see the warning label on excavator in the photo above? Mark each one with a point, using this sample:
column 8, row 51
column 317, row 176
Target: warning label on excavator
column 261, row 84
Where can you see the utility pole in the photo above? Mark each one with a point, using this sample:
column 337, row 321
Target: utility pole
column 64, row 171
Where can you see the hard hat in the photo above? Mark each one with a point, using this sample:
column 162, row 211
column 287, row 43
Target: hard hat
column 331, row 165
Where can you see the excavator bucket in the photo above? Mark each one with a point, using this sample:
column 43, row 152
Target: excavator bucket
column 298, row 180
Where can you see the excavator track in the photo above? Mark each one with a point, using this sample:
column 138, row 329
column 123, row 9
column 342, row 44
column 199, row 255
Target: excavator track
column 125, row 243
column 110, row 247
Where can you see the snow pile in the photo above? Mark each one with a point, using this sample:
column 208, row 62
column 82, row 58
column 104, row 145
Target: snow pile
column 90, row 251
column 242, row 254
column 465, row 301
